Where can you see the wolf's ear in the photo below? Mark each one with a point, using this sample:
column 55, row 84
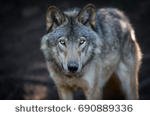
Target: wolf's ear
column 54, row 18
column 87, row 15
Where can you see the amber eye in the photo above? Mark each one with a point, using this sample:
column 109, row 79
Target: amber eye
column 82, row 41
column 62, row 42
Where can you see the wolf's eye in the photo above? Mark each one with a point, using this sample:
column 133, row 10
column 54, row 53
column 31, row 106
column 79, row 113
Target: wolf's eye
column 62, row 42
column 82, row 41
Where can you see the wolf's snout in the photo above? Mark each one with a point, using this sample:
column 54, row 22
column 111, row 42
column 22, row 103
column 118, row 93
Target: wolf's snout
column 73, row 66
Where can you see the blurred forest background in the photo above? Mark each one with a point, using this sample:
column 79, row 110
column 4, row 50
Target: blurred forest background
column 23, row 73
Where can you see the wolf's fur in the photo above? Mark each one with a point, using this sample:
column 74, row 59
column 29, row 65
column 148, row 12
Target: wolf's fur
column 83, row 48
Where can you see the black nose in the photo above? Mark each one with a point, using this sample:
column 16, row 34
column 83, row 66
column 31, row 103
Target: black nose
column 73, row 66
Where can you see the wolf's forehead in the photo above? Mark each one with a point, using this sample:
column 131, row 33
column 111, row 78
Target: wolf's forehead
column 76, row 31
column 72, row 31
column 72, row 12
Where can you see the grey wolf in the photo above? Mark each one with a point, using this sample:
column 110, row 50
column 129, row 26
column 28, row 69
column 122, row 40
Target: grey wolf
column 84, row 47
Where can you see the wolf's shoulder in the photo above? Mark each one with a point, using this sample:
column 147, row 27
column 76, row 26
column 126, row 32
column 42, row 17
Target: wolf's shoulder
column 111, row 14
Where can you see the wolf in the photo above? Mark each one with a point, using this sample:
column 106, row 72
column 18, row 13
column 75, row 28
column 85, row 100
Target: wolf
column 84, row 47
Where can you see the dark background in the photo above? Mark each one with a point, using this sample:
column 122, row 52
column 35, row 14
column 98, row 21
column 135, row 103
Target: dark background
column 23, row 73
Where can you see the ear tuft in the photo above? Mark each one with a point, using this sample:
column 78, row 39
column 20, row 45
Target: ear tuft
column 87, row 15
column 54, row 18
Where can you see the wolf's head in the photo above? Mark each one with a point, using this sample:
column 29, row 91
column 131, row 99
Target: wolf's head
column 71, row 42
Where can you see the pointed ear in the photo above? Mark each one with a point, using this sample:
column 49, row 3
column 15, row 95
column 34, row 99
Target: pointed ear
column 87, row 15
column 54, row 18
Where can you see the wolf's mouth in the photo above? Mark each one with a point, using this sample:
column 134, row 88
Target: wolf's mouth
column 72, row 75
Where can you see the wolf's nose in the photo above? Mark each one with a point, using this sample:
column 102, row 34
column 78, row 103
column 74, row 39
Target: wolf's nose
column 73, row 66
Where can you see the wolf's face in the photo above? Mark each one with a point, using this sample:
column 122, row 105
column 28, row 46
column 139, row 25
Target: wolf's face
column 72, row 53
column 71, row 41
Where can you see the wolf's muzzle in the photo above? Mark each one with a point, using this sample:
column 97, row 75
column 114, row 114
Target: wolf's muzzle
column 72, row 66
